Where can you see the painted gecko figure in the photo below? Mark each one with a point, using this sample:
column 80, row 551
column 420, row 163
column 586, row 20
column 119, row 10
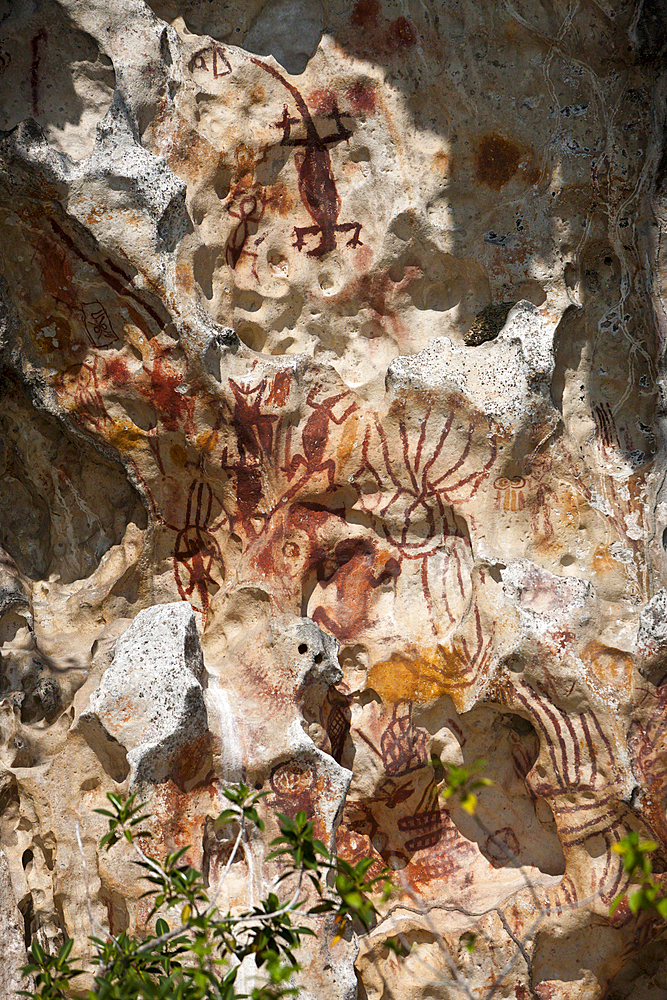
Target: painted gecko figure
column 317, row 186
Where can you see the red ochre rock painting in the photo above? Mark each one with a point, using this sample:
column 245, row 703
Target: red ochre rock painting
column 239, row 376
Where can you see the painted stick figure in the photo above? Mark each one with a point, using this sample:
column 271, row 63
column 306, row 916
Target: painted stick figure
column 196, row 551
column 251, row 209
column 246, row 203
column 317, row 186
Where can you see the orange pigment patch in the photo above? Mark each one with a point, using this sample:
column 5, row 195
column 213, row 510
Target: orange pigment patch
column 53, row 335
column 178, row 818
column 57, row 272
column 162, row 391
column 184, row 277
column 602, row 561
column 347, row 440
column 207, row 442
column 322, row 101
column 182, row 146
column 548, row 544
column 116, row 371
column 363, row 259
column 278, row 199
column 194, row 759
column 422, row 679
column 611, row 667
column 95, row 215
column 512, row 30
column 125, row 436
column 280, row 387
column 178, row 456
column 125, row 710
column 573, row 505
column 440, row 162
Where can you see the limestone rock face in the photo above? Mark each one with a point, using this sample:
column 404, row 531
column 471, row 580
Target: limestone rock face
column 150, row 701
column 332, row 344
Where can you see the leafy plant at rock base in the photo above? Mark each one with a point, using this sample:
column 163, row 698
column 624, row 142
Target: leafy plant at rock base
column 636, row 861
column 195, row 954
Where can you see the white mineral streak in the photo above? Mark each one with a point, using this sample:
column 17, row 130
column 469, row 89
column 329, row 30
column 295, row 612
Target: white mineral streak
column 332, row 446
column 225, row 723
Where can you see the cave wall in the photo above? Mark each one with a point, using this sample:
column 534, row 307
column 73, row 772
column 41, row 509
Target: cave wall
column 332, row 341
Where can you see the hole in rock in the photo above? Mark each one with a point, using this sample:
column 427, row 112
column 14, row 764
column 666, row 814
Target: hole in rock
column 223, row 182
column 596, row 846
column 27, row 911
column 141, row 414
column 110, row 753
column 10, row 624
column 90, row 784
column 487, row 324
column 253, row 336
column 48, row 852
column 318, row 657
column 283, row 346
column 26, row 858
column 248, row 301
column 508, row 829
column 303, row 648
column 278, row 263
column 205, row 261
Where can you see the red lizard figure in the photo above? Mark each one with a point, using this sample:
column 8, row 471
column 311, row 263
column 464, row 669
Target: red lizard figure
column 314, row 439
column 317, row 186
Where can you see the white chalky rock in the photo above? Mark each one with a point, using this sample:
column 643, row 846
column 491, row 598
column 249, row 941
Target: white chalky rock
column 150, row 700
column 652, row 632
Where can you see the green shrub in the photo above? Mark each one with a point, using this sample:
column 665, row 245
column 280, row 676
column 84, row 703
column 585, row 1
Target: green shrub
column 196, row 955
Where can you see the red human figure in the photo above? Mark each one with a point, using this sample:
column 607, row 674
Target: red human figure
column 196, row 551
column 251, row 209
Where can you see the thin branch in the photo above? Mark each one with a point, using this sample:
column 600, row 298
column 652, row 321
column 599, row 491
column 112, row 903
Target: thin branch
column 438, row 937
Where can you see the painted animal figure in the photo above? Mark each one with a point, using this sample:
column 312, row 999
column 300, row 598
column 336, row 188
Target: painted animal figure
column 317, row 186
column 314, row 440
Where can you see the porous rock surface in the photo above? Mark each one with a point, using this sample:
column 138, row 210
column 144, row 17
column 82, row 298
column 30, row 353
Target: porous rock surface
column 332, row 451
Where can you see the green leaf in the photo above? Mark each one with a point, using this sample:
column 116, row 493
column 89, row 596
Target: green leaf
column 635, row 901
column 38, row 952
column 66, row 949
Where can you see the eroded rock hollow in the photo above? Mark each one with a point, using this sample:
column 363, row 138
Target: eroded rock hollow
column 332, row 452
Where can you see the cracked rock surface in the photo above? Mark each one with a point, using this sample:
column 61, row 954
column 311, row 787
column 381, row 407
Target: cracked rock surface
column 332, row 445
